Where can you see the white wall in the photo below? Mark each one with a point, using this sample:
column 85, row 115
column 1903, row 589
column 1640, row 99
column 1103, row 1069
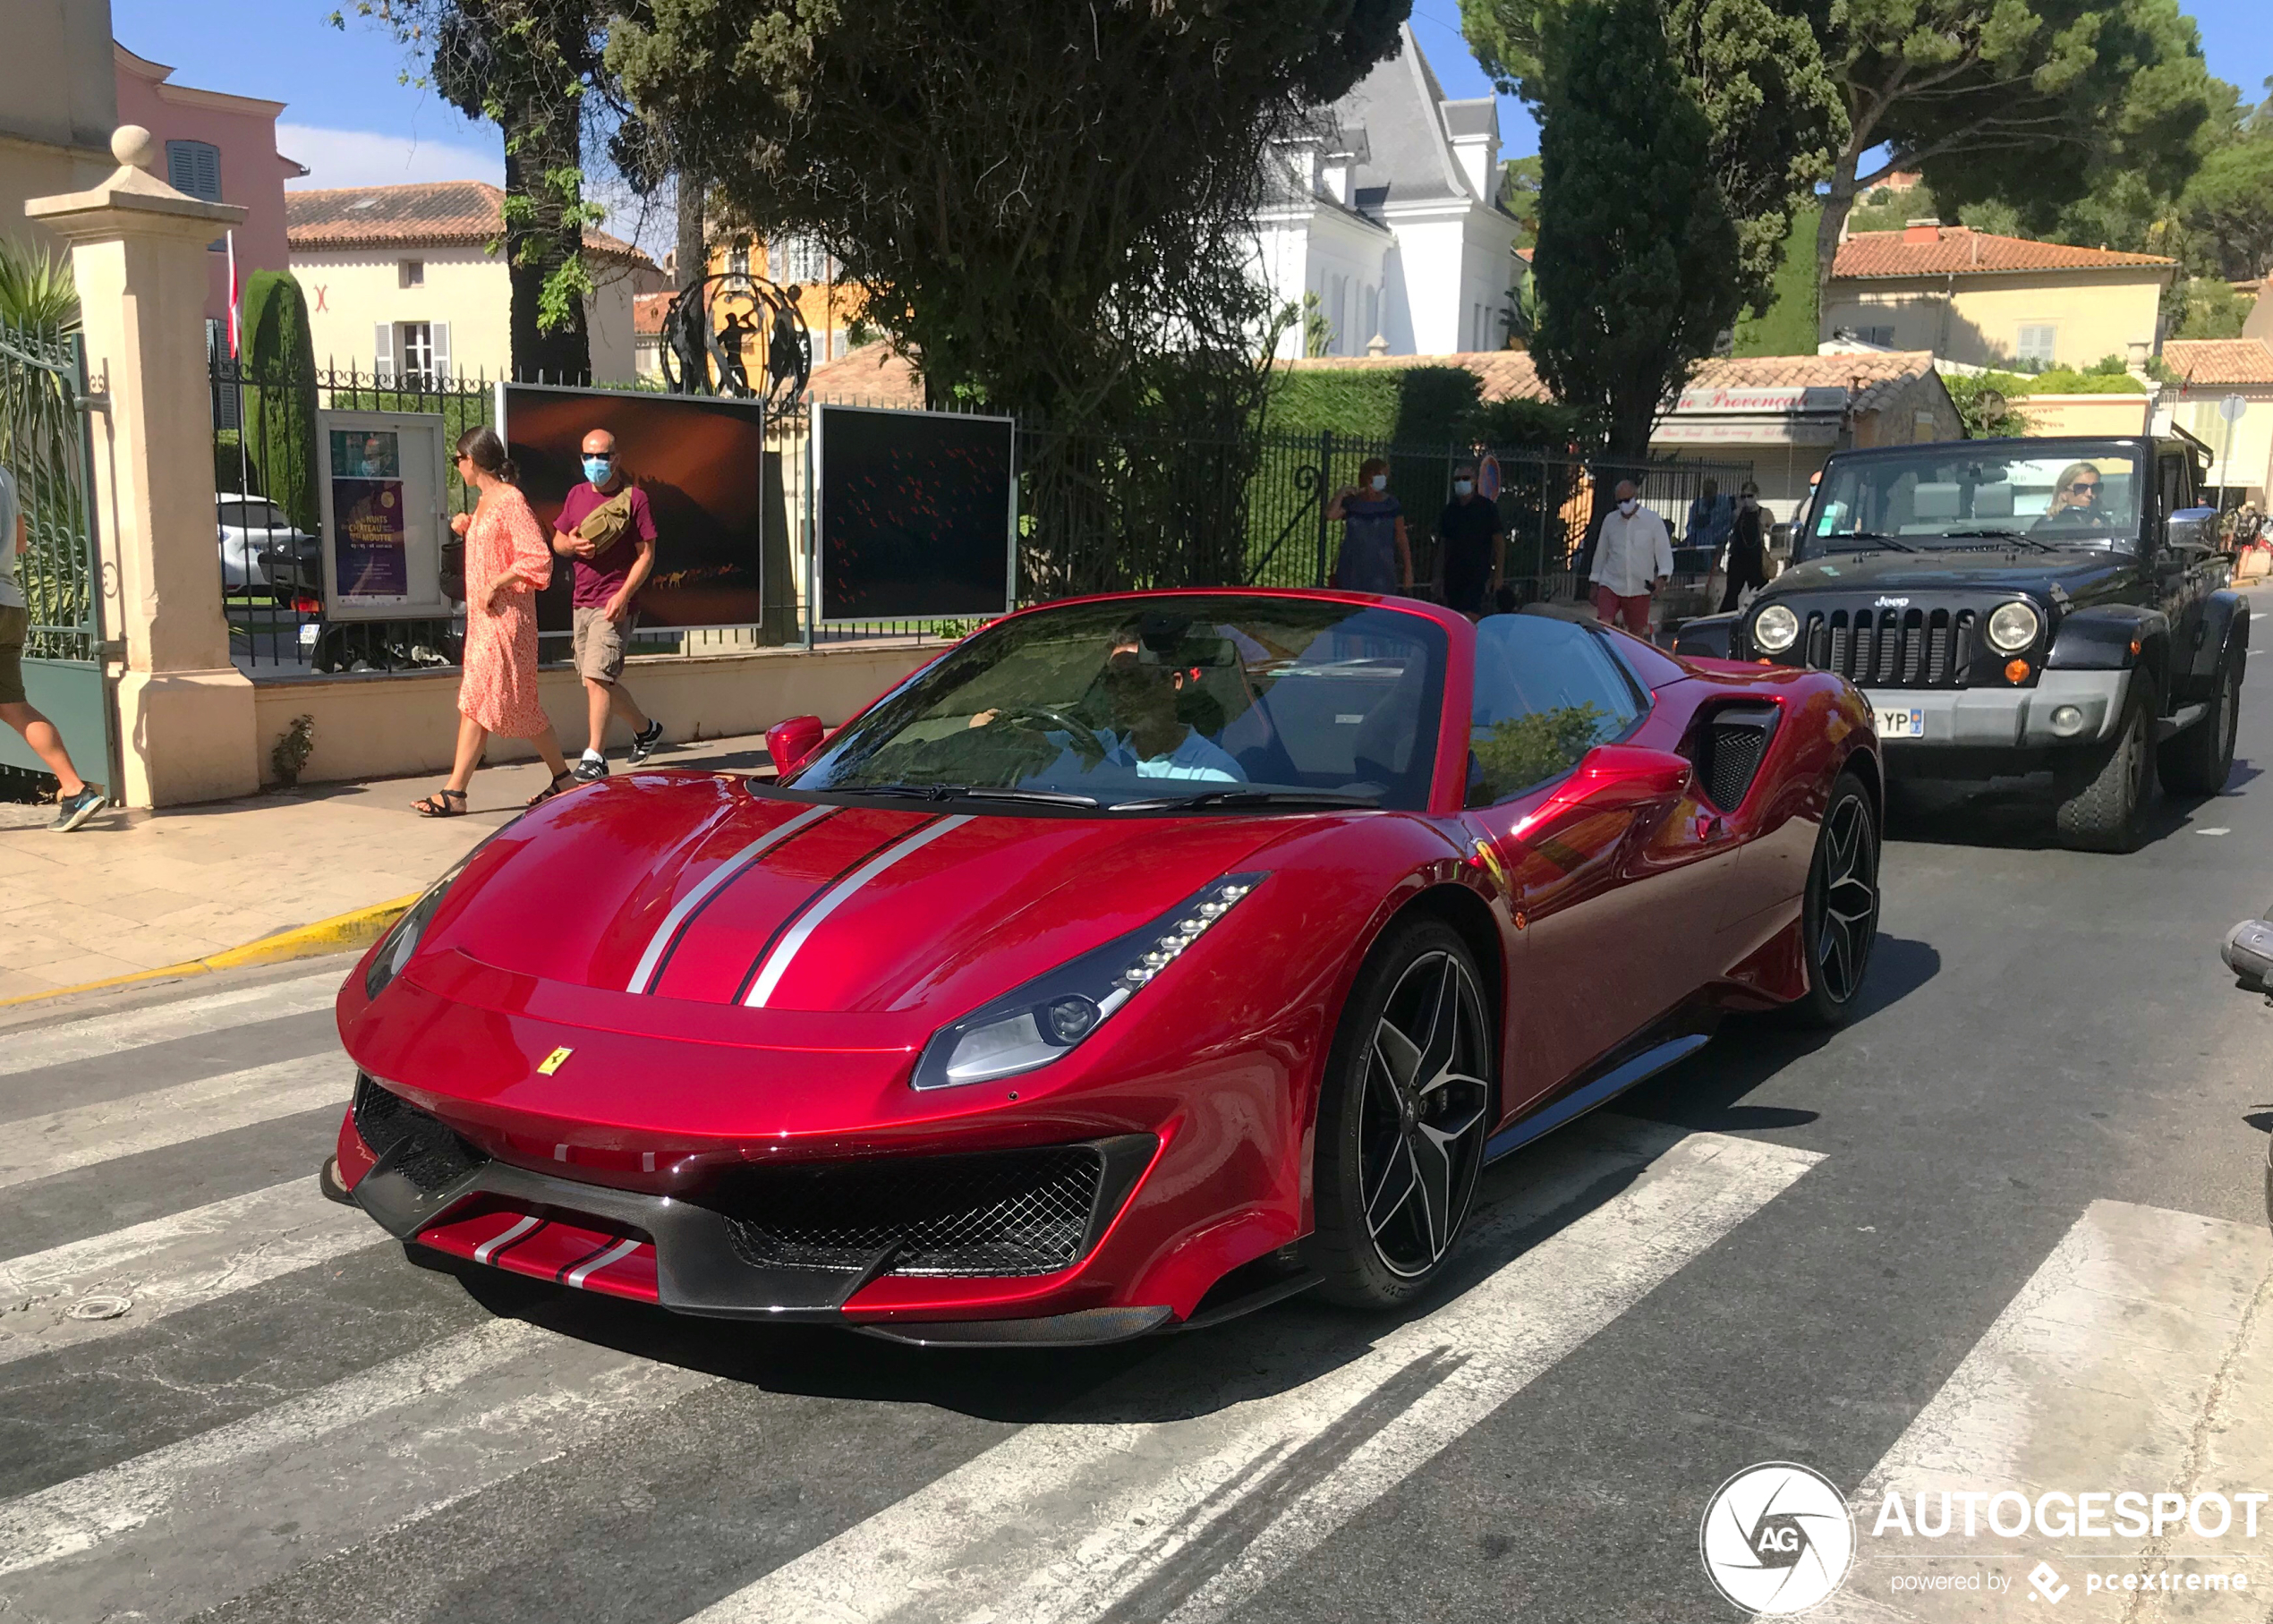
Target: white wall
column 1432, row 249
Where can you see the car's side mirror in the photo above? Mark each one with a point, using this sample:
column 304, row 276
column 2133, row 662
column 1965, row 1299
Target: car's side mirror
column 791, row 744
column 2193, row 527
column 1611, row 777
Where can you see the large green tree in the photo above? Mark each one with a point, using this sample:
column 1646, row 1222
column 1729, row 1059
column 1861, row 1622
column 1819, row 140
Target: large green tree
column 531, row 67
column 1755, row 69
column 279, row 373
column 2228, row 202
column 1637, row 264
column 2039, row 104
column 1045, row 200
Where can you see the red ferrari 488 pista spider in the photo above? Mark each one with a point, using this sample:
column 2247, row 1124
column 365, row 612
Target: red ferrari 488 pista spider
column 1140, row 960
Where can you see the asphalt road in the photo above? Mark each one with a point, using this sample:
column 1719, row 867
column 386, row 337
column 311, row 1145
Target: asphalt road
column 2007, row 1229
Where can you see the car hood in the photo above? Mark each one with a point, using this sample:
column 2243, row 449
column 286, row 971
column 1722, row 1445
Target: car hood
column 2079, row 576
column 703, row 889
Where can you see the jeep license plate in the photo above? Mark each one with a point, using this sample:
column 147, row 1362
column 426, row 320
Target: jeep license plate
column 1901, row 724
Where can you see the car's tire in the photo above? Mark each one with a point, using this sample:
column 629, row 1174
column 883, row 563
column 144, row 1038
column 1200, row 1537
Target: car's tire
column 2199, row 760
column 1839, row 914
column 1408, row 1098
column 2103, row 801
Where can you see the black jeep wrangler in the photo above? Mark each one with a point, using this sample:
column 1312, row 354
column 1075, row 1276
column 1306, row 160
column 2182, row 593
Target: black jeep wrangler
column 2017, row 606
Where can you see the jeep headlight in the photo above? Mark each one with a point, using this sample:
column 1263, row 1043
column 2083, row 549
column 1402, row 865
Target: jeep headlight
column 2014, row 626
column 1775, row 629
column 1042, row 1021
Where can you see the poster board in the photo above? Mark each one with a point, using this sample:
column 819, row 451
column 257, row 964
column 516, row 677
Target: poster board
column 383, row 523
column 700, row 458
column 915, row 514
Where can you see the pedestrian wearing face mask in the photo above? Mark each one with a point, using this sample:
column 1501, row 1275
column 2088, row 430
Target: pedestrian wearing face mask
column 1375, row 555
column 1748, row 548
column 1472, row 538
column 608, row 530
column 1633, row 558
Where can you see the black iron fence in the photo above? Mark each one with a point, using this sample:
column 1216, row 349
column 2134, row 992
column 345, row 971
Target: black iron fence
column 1096, row 513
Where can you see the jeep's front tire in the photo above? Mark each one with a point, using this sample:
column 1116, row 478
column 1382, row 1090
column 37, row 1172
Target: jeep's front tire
column 2103, row 798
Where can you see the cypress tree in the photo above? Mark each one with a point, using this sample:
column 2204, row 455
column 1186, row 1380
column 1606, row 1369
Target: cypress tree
column 279, row 430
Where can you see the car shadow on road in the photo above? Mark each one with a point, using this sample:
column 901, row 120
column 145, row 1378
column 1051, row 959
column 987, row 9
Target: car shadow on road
column 2016, row 813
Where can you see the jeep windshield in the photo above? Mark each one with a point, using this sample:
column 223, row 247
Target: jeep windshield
column 2071, row 493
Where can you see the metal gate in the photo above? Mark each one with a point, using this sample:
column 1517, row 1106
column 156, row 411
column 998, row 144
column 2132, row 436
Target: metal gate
column 45, row 443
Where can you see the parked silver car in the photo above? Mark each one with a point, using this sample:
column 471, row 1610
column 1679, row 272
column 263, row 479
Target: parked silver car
column 260, row 550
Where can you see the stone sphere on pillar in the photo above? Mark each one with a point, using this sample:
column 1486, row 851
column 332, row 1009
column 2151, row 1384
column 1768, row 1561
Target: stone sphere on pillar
column 131, row 145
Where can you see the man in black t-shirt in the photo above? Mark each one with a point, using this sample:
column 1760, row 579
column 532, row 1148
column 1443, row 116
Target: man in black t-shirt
column 1474, row 545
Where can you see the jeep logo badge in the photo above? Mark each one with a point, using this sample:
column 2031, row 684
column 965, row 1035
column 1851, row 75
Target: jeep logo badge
column 1892, row 603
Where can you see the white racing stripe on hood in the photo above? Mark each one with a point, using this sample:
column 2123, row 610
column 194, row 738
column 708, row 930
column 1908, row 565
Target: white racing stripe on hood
column 777, row 963
column 651, row 960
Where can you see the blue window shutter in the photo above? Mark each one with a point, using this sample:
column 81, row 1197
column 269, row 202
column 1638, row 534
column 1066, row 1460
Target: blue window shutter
column 194, row 167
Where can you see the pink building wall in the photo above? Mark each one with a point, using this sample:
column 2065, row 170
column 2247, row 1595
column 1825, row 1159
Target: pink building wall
column 253, row 174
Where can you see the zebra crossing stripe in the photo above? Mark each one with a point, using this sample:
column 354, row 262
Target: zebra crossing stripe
column 58, row 1141
column 2139, row 1358
column 186, row 1017
column 174, row 1263
column 995, row 1538
column 187, row 1527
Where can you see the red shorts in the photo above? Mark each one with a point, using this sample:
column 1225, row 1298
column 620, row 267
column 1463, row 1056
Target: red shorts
column 1631, row 613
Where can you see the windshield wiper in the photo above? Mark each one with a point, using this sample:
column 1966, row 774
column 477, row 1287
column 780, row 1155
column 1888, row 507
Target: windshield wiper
column 1871, row 536
column 1251, row 797
column 1997, row 535
column 972, row 791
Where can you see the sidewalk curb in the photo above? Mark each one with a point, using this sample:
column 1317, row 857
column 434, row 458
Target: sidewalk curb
column 358, row 929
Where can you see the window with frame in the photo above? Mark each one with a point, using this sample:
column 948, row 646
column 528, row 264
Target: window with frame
column 1546, row 692
column 797, row 259
column 1881, row 334
column 411, row 273
column 737, row 259
column 194, row 167
column 2037, row 342
column 414, row 354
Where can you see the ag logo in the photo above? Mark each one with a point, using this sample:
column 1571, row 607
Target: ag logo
column 1776, row 1538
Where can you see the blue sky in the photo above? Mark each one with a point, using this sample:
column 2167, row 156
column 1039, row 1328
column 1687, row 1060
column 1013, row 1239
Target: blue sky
column 352, row 122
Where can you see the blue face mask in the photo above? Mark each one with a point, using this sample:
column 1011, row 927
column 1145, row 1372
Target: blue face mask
column 597, row 468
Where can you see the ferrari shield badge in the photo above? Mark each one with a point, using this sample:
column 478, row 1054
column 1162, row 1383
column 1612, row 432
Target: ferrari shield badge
column 553, row 1062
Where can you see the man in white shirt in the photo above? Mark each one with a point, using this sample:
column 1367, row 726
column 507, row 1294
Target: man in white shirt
column 1633, row 557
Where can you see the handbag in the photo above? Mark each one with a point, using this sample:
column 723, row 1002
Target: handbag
column 605, row 524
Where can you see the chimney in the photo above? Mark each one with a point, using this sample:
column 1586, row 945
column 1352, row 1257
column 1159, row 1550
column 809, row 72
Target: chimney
column 1922, row 231
column 1478, row 157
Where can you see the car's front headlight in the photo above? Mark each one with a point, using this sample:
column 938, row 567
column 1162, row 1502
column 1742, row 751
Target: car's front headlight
column 1031, row 1025
column 1775, row 629
column 395, row 948
column 2014, row 626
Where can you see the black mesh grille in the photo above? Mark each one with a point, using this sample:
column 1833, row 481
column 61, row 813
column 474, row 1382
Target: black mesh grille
column 1729, row 749
column 1005, row 1212
column 1889, row 648
column 432, row 1157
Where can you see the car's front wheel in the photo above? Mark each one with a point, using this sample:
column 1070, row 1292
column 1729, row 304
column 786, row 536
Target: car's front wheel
column 1407, row 1103
column 1839, row 917
column 2102, row 802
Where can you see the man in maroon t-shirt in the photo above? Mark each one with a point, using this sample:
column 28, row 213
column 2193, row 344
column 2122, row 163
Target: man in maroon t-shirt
column 606, row 601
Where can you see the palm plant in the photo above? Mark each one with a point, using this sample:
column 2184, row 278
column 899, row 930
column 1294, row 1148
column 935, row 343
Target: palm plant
column 36, row 294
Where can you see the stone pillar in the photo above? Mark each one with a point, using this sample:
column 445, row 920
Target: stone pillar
column 138, row 250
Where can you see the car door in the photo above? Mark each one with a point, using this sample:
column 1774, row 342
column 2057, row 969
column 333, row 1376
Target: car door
column 1616, row 919
column 2183, row 568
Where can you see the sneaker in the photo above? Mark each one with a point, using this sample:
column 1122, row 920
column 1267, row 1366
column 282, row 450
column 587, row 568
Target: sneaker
column 590, row 770
column 645, row 742
column 72, row 811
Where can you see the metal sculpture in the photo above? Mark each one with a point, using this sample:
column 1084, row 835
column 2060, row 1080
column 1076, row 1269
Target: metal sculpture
column 707, row 329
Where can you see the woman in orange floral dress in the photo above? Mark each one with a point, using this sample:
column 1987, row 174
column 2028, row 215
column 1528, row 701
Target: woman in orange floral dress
column 508, row 562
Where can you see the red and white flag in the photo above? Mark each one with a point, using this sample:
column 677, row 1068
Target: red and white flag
column 232, row 237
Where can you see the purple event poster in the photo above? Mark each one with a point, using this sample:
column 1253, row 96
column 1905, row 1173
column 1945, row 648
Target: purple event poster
column 374, row 550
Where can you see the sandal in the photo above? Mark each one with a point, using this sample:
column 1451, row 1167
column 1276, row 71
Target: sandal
column 560, row 781
column 438, row 804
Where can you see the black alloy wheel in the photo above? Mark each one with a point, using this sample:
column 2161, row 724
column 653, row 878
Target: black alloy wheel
column 1839, row 920
column 1409, row 1100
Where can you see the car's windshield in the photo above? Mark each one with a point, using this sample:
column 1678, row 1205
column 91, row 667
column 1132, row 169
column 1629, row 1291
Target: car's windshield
column 1229, row 702
column 2075, row 493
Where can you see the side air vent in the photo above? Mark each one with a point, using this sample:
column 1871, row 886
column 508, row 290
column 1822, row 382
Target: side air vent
column 1732, row 742
column 424, row 1150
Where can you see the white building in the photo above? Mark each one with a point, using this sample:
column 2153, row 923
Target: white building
column 1388, row 213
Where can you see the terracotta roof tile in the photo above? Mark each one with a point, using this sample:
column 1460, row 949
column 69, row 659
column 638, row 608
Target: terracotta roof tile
column 647, row 312
column 873, row 375
column 1513, row 375
column 431, row 214
column 2202, row 362
column 1962, row 250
